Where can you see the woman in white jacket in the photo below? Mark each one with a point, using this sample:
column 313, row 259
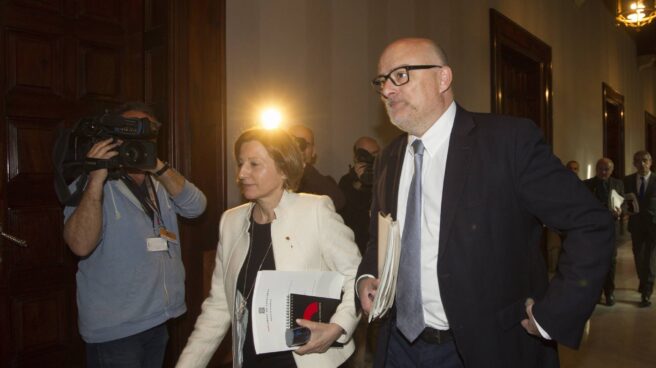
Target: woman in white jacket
column 281, row 230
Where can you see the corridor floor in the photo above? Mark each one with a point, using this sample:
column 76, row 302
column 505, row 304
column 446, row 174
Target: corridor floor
column 621, row 336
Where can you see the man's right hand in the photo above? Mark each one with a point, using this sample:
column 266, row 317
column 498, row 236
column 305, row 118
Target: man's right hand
column 102, row 150
column 367, row 289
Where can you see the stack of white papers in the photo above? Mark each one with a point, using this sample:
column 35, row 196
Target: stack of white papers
column 389, row 252
column 270, row 311
column 615, row 201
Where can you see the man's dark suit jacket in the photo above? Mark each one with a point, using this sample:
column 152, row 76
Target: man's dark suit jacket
column 316, row 183
column 593, row 186
column 501, row 184
column 646, row 205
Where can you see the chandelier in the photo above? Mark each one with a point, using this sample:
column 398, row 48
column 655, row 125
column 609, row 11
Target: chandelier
column 635, row 13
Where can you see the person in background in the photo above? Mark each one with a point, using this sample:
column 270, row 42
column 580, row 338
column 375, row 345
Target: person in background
column 573, row 166
column 356, row 186
column 313, row 181
column 470, row 192
column 642, row 225
column 276, row 230
column 601, row 186
column 130, row 277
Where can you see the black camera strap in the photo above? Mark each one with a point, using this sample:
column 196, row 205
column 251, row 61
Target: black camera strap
column 92, row 164
column 147, row 196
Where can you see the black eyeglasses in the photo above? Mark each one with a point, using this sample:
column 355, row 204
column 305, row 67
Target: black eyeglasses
column 399, row 76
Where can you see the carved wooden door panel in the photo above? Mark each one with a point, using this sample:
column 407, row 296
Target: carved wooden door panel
column 520, row 73
column 613, row 125
column 59, row 60
column 650, row 134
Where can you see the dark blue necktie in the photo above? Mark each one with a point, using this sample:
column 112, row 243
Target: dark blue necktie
column 641, row 191
column 410, row 313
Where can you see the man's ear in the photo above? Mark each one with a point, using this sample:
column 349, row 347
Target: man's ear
column 446, row 77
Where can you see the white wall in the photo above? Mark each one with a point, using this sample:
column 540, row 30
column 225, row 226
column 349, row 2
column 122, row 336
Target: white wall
column 315, row 59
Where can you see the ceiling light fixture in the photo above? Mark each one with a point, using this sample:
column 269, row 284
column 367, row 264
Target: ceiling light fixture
column 635, row 13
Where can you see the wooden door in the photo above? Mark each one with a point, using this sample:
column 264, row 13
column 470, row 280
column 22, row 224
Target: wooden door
column 650, row 133
column 520, row 73
column 613, row 125
column 184, row 51
column 521, row 78
column 59, row 60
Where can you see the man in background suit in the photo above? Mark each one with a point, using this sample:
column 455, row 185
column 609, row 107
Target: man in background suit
column 481, row 297
column 313, row 181
column 573, row 166
column 601, row 186
column 642, row 225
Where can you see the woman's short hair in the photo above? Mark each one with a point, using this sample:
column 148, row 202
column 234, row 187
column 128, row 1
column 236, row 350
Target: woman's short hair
column 282, row 148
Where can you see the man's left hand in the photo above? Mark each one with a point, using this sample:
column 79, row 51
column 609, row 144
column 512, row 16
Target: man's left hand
column 322, row 336
column 529, row 323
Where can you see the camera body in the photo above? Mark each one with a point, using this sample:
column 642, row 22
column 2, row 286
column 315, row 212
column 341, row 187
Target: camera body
column 139, row 147
column 138, row 150
column 363, row 156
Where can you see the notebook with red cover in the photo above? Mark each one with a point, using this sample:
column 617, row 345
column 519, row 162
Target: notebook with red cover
column 313, row 308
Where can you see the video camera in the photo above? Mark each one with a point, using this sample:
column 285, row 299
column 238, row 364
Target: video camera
column 138, row 150
column 363, row 156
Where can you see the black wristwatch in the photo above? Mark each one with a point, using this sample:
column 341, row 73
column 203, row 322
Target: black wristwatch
column 164, row 168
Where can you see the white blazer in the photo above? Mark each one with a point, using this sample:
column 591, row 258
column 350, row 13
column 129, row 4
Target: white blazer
column 307, row 235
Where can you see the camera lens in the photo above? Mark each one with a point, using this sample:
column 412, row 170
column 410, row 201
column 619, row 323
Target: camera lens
column 132, row 153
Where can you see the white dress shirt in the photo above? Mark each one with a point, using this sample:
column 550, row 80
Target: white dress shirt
column 436, row 143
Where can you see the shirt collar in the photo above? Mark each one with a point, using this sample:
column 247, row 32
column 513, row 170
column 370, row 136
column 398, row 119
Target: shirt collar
column 438, row 133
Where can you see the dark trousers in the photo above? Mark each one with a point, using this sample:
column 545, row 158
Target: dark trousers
column 143, row 350
column 401, row 353
column 609, row 284
column 644, row 254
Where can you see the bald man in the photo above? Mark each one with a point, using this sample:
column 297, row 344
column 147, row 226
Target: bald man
column 470, row 192
column 601, row 186
column 313, row 181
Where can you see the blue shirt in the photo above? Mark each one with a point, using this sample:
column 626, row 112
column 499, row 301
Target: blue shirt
column 122, row 288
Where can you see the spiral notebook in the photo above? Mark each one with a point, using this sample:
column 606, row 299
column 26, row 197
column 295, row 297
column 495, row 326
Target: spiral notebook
column 313, row 308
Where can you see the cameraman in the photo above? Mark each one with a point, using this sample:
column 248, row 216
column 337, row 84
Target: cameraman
column 356, row 186
column 130, row 277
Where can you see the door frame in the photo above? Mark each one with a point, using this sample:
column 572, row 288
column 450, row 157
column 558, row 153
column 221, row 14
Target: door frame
column 610, row 96
column 506, row 33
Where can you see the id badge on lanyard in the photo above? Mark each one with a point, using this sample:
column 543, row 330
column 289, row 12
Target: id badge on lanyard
column 157, row 244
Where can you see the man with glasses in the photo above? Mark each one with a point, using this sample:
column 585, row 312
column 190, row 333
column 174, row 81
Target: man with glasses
column 470, row 192
column 313, row 181
column 642, row 225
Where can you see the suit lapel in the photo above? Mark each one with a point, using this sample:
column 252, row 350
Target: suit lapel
column 237, row 254
column 460, row 148
column 388, row 190
column 650, row 183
